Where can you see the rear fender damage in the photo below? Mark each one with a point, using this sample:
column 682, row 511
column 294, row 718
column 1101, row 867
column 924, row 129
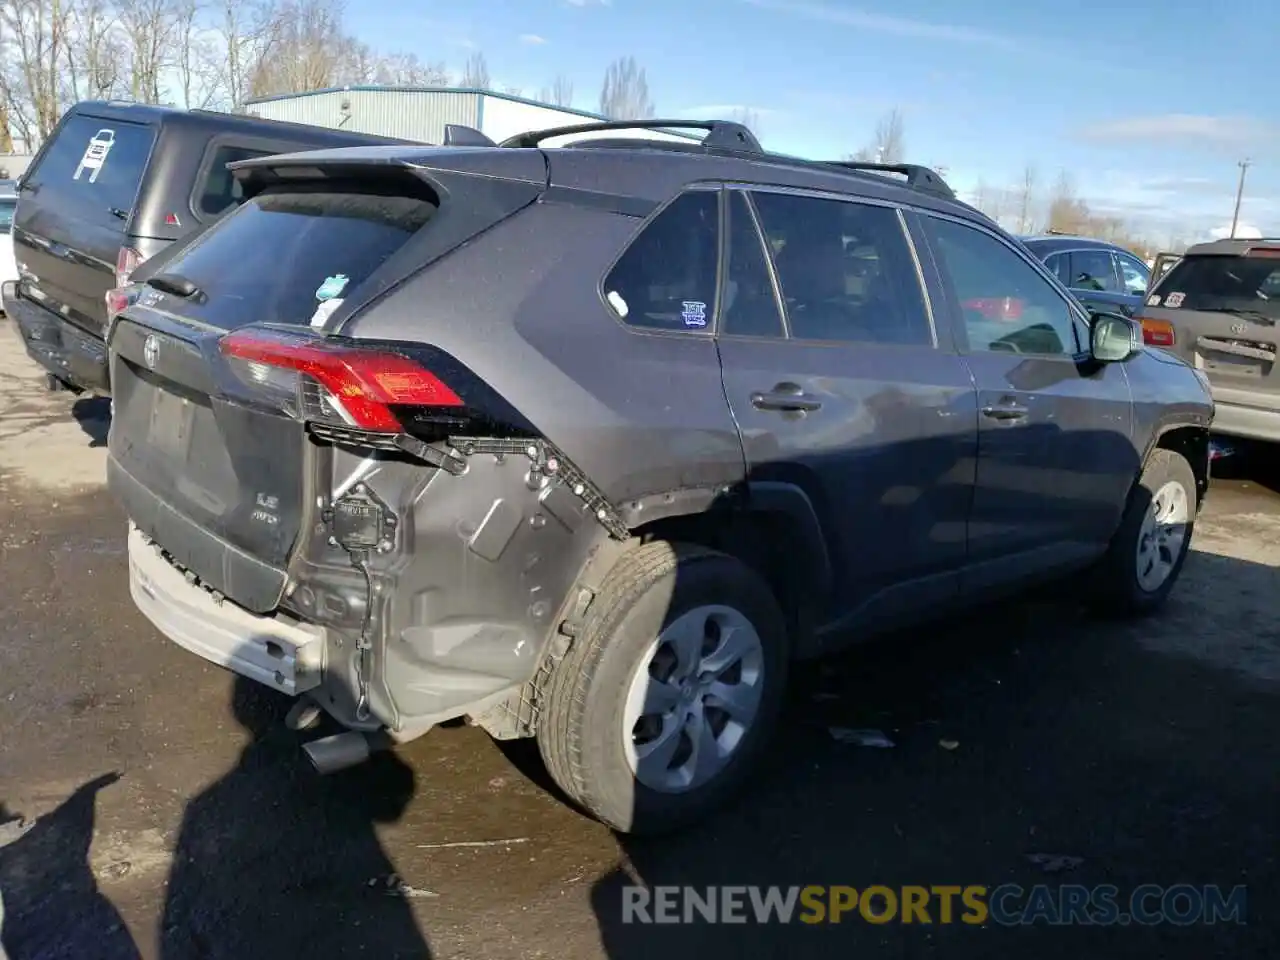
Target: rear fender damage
column 475, row 566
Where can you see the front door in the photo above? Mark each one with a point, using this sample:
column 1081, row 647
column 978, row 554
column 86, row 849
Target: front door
column 846, row 393
column 1055, row 459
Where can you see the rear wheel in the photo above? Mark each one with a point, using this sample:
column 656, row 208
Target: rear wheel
column 1149, row 548
column 668, row 696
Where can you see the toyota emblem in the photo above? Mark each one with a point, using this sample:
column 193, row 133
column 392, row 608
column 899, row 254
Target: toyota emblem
column 1237, row 328
column 151, row 351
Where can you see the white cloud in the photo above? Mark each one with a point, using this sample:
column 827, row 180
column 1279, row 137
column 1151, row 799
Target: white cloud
column 1185, row 128
column 532, row 39
column 881, row 23
column 1244, row 231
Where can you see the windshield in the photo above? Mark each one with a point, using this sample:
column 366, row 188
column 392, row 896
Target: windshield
column 7, row 205
column 1222, row 283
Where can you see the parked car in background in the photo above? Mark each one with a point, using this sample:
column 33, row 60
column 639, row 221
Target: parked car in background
column 1103, row 276
column 1218, row 308
column 8, row 202
column 588, row 443
column 113, row 185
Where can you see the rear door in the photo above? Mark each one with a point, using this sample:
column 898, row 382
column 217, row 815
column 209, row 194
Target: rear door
column 846, row 391
column 1220, row 313
column 76, row 203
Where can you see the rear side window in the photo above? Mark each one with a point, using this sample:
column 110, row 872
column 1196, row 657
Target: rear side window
column 1094, row 270
column 285, row 252
column 220, row 189
column 666, row 279
column 846, row 271
column 93, row 168
column 1222, row 283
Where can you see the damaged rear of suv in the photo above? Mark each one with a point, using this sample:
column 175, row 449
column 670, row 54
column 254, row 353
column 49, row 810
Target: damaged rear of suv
column 374, row 440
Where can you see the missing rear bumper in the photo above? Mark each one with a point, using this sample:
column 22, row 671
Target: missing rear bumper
column 286, row 656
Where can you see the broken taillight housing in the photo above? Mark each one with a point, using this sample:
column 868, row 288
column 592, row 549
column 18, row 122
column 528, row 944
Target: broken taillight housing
column 127, row 260
column 1157, row 333
column 118, row 299
column 319, row 379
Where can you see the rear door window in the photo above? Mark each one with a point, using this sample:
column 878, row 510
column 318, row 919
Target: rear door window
column 93, row 168
column 287, row 251
column 1217, row 283
column 846, row 270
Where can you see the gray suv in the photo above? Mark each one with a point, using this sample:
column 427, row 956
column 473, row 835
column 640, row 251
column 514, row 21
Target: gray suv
column 1217, row 308
column 588, row 443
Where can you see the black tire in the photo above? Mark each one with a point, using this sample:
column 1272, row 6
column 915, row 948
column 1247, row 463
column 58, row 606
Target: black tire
column 1116, row 586
column 580, row 728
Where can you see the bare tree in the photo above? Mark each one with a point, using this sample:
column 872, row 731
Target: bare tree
column 1026, row 200
column 889, row 144
column 406, row 70
column 246, row 32
column 1067, row 212
column 475, row 75
column 625, row 92
column 306, row 48
column 96, row 61
column 34, row 36
column 149, row 28
column 560, row 92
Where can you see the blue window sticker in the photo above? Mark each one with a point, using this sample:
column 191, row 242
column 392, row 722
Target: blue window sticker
column 332, row 287
column 694, row 313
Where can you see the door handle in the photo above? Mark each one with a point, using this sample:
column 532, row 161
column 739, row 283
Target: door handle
column 1006, row 412
column 788, row 397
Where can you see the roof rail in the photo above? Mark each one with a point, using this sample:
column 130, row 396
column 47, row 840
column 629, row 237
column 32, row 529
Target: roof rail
column 459, row 135
column 918, row 177
column 721, row 134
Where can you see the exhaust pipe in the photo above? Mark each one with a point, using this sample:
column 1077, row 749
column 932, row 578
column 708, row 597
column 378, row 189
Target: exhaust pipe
column 342, row 750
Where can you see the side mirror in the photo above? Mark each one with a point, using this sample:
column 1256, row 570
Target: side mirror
column 1113, row 338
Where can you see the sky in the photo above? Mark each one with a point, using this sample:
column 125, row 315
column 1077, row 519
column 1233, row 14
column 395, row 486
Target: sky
column 1149, row 105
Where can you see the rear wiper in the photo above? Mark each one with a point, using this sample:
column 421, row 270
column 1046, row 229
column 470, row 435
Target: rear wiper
column 174, row 283
column 117, row 212
column 1254, row 315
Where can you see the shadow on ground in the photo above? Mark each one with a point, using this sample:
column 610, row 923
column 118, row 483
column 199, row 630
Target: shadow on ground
column 52, row 905
column 94, row 416
column 274, row 861
column 1027, row 729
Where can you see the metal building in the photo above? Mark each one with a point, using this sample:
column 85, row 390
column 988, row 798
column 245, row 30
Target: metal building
column 420, row 113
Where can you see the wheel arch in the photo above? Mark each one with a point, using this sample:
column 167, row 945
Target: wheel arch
column 1189, row 441
column 773, row 526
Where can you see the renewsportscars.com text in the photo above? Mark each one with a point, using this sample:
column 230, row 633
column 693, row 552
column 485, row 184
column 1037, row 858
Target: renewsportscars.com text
column 975, row 905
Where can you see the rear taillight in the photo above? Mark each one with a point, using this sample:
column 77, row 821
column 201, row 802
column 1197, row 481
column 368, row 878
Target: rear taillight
column 324, row 380
column 127, row 260
column 1157, row 333
column 117, row 300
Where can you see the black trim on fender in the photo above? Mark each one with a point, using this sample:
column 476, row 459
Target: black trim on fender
column 775, row 496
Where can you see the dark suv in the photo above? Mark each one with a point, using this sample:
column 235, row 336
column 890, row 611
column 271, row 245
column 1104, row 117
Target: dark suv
column 1103, row 276
column 1217, row 308
column 588, row 443
column 113, row 185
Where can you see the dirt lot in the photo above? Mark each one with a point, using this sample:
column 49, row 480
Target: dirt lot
column 143, row 792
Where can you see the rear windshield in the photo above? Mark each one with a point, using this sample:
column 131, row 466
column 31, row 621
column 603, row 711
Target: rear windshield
column 92, row 169
column 1222, row 283
column 285, row 252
